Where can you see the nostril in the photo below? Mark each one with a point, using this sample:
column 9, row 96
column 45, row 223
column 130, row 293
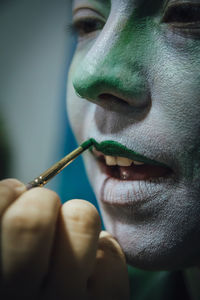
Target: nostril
column 116, row 103
column 112, row 99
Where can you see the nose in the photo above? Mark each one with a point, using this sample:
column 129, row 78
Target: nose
column 110, row 74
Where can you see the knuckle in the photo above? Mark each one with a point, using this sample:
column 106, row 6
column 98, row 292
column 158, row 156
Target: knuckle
column 6, row 192
column 9, row 188
column 22, row 220
column 7, row 197
column 34, row 211
column 14, row 185
column 45, row 198
column 41, row 203
column 11, row 182
column 82, row 213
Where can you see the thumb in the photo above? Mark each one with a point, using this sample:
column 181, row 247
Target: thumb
column 110, row 277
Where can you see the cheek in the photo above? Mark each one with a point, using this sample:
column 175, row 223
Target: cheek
column 175, row 90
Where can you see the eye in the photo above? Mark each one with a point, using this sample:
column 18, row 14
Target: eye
column 84, row 27
column 182, row 14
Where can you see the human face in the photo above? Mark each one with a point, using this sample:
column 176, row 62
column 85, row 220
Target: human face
column 134, row 79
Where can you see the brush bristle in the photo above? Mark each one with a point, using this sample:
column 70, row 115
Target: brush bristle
column 87, row 144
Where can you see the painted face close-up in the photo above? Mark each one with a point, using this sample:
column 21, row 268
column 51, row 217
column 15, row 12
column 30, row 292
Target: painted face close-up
column 134, row 87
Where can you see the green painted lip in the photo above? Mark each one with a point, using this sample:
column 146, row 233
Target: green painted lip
column 113, row 148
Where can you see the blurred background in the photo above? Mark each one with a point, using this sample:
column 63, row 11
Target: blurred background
column 35, row 52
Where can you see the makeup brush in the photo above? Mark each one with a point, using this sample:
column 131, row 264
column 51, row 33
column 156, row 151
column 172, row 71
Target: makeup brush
column 42, row 179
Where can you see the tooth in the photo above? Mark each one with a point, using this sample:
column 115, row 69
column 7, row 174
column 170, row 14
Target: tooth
column 124, row 162
column 138, row 163
column 111, row 160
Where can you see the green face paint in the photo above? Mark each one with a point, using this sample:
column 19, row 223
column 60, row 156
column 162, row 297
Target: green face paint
column 116, row 149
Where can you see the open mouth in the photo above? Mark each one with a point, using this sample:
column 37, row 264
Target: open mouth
column 121, row 163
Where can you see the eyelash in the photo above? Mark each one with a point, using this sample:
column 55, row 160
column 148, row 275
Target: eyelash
column 184, row 13
column 84, row 27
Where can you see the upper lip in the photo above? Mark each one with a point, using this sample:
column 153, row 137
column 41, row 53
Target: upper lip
column 113, row 148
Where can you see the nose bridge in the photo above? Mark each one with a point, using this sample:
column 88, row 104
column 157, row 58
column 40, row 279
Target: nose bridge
column 112, row 62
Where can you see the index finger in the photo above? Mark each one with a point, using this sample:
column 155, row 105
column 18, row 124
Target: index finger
column 10, row 190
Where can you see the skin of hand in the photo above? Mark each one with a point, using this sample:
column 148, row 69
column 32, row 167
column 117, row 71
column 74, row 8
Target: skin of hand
column 54, row 251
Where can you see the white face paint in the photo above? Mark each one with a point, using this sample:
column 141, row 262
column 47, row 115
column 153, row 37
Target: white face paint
column 151, row 65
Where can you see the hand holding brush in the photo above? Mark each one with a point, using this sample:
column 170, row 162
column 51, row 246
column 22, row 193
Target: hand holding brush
column 54, row 251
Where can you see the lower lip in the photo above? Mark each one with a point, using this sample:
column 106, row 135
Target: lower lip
column 122, row 192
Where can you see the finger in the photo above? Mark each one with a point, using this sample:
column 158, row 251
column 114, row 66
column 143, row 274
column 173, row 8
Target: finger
column 10, row 189
column 28, row 228
column 76, row 245
column 110, row 277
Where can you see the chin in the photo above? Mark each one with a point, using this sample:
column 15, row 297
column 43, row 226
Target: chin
column 162, row 233
column 159, row 260
column 155, row 248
